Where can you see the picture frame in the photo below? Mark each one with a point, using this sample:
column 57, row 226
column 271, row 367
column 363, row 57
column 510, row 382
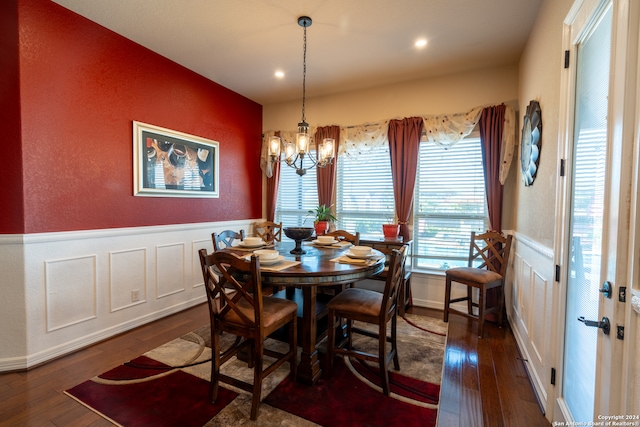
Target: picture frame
column 169, row 163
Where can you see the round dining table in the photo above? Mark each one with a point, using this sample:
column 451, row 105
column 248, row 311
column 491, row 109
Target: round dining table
column 301, row 276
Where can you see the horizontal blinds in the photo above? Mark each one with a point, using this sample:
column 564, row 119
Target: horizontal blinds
column 296, row 196
column 365, row 191
column 449, row 202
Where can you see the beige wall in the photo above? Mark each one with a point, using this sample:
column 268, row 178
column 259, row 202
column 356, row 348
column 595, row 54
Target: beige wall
column 447, row 94
column 453, row 93
column 540, row 71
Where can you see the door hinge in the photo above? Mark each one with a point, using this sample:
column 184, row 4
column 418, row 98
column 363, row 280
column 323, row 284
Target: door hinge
column 566, row 58
column 553, row 376
column 557, row 273
column 620, row 332
column 562, row 171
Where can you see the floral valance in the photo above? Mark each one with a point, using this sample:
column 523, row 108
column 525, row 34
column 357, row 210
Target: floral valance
column 362, row 138
column 447, row 129
column 444, row 130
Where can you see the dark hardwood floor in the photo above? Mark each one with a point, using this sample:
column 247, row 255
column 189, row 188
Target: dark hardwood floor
column 484, row 382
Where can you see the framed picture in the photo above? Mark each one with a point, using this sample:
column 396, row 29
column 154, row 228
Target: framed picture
column 168, row 163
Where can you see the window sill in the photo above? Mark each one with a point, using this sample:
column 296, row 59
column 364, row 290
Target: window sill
column 427, row 272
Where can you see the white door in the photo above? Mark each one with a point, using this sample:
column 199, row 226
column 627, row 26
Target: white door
column 586, row 221
column 594, row 240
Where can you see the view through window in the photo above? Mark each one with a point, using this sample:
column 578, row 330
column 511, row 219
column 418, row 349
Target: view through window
column 449, row 199
column 296, row 196
column 449, row 203
column 364, row 196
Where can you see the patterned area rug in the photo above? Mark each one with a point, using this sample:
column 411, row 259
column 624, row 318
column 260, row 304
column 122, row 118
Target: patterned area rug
column 168, row 386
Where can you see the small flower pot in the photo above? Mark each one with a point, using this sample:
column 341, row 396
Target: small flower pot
column 321, row 227
column 390, row 231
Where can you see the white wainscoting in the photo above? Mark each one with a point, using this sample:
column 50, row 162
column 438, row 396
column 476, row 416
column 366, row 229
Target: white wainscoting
column 529, row 300
column 68, row 290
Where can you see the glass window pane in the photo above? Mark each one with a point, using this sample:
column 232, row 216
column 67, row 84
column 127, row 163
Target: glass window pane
column 296, row 196
column 449, row 203
column 364, row 199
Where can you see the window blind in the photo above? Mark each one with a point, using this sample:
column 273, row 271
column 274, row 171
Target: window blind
column 449, row 203
column 296, row 196
column 364, row 199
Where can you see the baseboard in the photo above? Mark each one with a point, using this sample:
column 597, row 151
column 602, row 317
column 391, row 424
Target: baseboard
column 534, row 379
column 33, row 360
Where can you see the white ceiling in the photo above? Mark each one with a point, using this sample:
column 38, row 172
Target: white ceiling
column 352, row 44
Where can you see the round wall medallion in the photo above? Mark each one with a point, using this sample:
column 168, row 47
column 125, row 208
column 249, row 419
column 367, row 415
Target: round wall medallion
column 530, row 144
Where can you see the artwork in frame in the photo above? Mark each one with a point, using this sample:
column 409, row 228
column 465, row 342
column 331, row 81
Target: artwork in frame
column 168, row 163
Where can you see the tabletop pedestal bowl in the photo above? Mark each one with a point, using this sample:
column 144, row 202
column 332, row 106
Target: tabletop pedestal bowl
column 298, row 234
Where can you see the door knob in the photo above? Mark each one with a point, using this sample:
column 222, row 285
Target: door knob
column 604, row 324
column 606, row 289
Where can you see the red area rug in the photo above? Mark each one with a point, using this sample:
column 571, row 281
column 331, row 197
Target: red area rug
column 168, row 386
column 127, row 399
column 347, row 399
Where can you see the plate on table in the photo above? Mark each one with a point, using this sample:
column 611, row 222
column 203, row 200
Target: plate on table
column 242, row 244
column 319, row 243
column 367, row 256
column 272, row 261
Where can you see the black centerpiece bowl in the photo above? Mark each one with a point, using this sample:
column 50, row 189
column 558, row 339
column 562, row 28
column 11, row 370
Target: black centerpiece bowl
column 298, row 234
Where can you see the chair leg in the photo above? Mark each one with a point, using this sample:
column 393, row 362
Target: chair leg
column 401, row 299
column 447, row 298
column 481, row 303
column 394, row 344
column 257, row 379
column 469, row 300
column 501, row 306
column 331, row 322
column 382, row 358
column 293, row 348
column 215, row 365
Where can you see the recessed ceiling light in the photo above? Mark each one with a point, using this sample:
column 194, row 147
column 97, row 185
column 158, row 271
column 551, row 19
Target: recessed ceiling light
column 421, row 43
column 279, row 74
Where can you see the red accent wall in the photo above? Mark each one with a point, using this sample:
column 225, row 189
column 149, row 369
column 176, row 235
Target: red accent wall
column 81, row 86
column 11, row 208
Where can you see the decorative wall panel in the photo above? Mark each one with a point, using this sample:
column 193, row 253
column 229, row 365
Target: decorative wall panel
column 128, row 276
column 170, row 269
column 196, row 271
column 70, row 285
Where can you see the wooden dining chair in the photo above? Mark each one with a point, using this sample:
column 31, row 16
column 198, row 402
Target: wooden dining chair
column 341, row 236
column 377, row 281
column 239, row 308
column 363, row 305
column 345, row 236
column 225, row 239
column 269, row 231
column 486, row 269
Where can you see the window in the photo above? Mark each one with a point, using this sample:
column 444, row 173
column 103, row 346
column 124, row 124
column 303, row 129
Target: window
column 449, row 200
column 364, row 196
column 296, row 195
column 449, row 203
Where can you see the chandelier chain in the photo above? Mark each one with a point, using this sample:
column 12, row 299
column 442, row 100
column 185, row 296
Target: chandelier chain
column 296, row 152
column 304, row 72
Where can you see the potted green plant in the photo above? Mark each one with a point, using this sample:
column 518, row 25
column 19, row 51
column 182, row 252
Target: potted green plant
column 322, row 218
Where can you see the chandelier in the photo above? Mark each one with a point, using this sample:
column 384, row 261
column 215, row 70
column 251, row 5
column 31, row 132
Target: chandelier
column 295, row 154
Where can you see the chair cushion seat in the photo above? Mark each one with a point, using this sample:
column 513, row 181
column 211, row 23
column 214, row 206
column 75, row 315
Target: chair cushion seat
column 478, row 275
column 358, row 301
column 275, row 311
